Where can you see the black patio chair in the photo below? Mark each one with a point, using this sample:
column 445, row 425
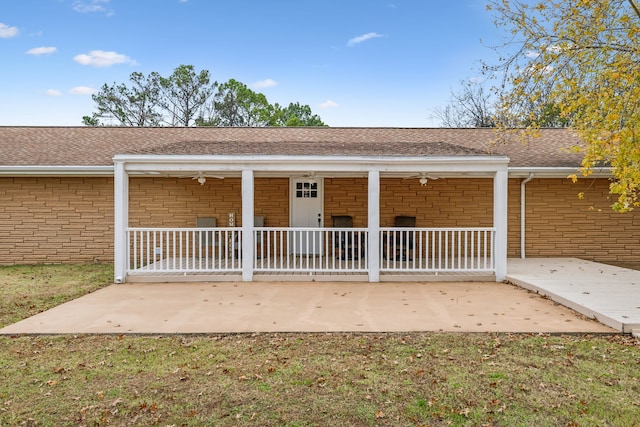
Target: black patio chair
column 343, row 241
column 400, row 247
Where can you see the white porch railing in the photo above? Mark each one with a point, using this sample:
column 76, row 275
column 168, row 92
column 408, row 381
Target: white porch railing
column 183, row 250
column 309, row 250
column 433, row 250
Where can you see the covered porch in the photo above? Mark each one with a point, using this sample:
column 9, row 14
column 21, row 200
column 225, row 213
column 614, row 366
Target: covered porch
column 306, row 239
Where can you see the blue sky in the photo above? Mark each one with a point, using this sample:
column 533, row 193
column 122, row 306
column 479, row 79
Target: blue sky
column 355, row 62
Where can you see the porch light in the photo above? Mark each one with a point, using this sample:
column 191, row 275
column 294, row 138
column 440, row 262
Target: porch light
column 202, row 180
column 423, row 180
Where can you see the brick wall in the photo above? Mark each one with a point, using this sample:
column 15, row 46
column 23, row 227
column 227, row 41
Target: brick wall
column 55, row 220
column 176, row 202
column 346, row 196
column 440, row 203
column 272, row 201
column 50, row 220
column 559, row 224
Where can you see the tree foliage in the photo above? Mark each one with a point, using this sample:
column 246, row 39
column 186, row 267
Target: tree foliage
column 184, row 93
column 188, row 98
column 295, row 115
column 235, row 104
column 128, row 106
column 583, row 56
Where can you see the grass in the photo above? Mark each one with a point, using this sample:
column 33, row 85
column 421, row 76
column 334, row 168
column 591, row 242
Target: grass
column 30, row 289
column 416, row 379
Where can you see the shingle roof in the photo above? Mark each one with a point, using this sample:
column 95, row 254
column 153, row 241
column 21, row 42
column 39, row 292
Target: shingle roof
column 95, row 146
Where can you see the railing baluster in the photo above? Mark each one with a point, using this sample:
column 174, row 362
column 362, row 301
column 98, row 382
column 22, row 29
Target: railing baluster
column 197, row 250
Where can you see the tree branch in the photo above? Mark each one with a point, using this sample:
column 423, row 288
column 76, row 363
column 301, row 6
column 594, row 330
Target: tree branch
column 635, row 7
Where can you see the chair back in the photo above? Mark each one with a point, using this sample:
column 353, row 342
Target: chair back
column 342, row 221
column 405, row 221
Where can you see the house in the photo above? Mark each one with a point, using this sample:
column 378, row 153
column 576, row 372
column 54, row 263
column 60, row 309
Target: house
column 374, row 204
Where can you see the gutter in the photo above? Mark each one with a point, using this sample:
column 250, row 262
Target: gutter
column 522, row 213
column 56, row 171
column 557, row 172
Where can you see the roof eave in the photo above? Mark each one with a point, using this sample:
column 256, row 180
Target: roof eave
column 315, row 163
column 556, row 172
column 94, row 171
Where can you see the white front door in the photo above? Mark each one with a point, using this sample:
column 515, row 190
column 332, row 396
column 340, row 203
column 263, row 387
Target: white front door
column 306, row 211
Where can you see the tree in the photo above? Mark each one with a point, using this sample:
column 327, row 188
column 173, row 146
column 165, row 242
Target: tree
column 471, row 107
column 184, row 93
column 236, row 105
column 475, row 106
column 295, row 115
column 187, row 98
column 584, row 57
column 134, row 106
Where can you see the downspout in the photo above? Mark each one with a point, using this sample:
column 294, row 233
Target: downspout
column 522, row 213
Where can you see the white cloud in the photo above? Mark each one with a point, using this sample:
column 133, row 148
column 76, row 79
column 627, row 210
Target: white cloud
column 83, row 90
column 328, row 104
column 90, row 6
column 263, row 84
column 100, row 58
column 53, row 92
column 41, row 51
column 7, row 31
column 363, row 38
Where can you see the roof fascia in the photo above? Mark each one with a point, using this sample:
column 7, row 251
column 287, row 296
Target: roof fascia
column 167, row 163
column 557, row 172
column 56, row 171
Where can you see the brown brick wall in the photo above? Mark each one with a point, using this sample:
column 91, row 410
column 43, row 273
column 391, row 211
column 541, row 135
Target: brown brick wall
column 559, row 224
column 49, row 220
column 55, row 220
column 272, row 201
column 440, row 203
column 346, row 196
column 176, row 202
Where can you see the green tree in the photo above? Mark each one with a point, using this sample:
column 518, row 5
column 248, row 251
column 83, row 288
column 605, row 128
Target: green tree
column 187, row 98
column 128, row 106
column 235, row 104
column 584, row 56
column 295, row 115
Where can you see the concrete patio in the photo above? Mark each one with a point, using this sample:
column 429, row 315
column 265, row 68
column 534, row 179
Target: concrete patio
column 224, row 307
column 603, row 292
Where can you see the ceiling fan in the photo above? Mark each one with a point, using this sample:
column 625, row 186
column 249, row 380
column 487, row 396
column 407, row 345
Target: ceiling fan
column 423, row 178
column 309, row 177
column 201, row 177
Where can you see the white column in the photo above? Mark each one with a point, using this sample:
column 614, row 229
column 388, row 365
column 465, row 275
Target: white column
column 374, row 226
column 121, row 222
column 247, row 225
column 500, row 188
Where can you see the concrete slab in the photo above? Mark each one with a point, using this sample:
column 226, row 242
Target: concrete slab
column 151, row 308
column 607, row 293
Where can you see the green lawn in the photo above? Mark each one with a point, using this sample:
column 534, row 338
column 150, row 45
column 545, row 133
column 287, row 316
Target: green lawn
column 416, row 379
